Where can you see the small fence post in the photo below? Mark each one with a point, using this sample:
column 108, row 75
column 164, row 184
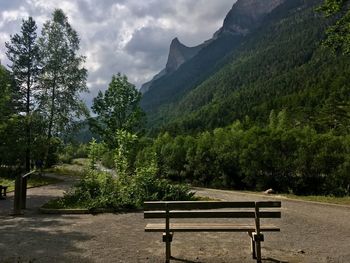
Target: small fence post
column 17, row 199
column 24, row 192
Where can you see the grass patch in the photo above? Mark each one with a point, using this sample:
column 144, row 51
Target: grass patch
column 204, row 198
column 34, row 181
column 76, row 168
column 81, row 162
column 60, row 203
column 313, row 198
column 322, row 199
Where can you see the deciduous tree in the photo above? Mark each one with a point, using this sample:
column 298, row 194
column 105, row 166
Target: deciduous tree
column 64, row 76
column 117, row 109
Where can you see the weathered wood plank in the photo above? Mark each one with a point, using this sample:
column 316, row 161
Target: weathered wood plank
column 207, row 227
column 268, row 204
column 210, row 214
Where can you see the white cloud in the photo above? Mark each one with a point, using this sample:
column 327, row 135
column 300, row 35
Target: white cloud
column 127, row 36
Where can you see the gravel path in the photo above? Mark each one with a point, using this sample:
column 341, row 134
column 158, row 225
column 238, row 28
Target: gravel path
column 309, row 233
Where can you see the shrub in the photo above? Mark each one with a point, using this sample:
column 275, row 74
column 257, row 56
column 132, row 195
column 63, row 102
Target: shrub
column 102, row 190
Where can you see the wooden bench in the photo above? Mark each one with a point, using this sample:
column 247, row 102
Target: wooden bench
column 253, row 211
column 3, row 190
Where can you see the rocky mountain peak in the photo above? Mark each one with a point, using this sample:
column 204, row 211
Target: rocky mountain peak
column 178, row 54
column 245, row 15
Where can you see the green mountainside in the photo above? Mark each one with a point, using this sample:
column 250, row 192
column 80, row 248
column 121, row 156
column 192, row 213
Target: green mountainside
column 280, row 65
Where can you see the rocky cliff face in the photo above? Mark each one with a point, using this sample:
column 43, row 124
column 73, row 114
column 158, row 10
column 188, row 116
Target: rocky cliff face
column 178, row 54
column 246, row 15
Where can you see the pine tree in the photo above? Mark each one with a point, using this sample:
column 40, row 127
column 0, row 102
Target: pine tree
column 23, row 53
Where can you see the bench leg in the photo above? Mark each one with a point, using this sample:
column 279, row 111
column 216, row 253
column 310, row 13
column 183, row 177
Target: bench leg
column 253, row 248
column 257, row 239
column 258, row 251
column 252, row 245
column 167, row 239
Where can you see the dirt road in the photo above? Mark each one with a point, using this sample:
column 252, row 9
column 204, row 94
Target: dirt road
column 309, row 233
column 317, row 232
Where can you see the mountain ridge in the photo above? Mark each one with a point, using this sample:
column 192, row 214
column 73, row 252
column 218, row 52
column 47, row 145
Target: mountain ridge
column 178, row 54
column 243, row 16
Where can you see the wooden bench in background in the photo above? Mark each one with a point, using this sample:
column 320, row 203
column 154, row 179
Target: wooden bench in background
column 3, row 190
column 253, row 211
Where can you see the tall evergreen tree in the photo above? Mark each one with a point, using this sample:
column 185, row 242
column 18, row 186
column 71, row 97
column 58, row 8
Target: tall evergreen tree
column 23, row 52
column 63, row 78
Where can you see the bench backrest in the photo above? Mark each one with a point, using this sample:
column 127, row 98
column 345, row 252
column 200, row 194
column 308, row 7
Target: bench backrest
column 211, row 209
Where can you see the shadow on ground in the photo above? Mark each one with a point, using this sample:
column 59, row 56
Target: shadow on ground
column 40, row 238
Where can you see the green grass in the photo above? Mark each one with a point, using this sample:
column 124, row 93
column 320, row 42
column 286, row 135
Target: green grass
column 76, row 168
column 313, row 198
column 322, row 199
column 34, row 181
column 58, row 203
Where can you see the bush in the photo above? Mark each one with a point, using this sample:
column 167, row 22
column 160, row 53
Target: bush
column 107, row 160
column 102, row 190
column 73, row 151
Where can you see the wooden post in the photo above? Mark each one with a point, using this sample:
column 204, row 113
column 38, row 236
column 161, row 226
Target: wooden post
column 252, row 245
column 24, row 192
column 167, row 235
column 18, row 193
column 257, row 235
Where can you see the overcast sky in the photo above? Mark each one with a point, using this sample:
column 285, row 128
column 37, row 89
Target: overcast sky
column 127, row 36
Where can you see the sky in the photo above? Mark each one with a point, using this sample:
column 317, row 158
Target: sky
column 127, row 36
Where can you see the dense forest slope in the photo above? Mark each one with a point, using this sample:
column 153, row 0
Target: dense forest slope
column 279, row 65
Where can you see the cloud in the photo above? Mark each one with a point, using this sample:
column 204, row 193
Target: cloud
column 127, row 36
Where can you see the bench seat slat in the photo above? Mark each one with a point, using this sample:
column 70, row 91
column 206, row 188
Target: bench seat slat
column 210, row 214
column 188, row 227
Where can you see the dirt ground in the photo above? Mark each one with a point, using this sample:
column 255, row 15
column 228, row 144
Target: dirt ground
column 309, row 233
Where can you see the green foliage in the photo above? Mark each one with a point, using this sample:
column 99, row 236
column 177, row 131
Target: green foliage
column 39, row 99
column 125, row 152
column 117, row 109
column 107, row 160
column 63, row 78
column 280, row 66
column 95, row 152
column 281, row 156
column 338, row 35
column 101, row 190
column 12, row 143
column 73, row 151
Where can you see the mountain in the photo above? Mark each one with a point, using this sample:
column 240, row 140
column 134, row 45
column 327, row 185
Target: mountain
column 246, row 15
column 178, row 54
column 187, row 67
column 260, row 61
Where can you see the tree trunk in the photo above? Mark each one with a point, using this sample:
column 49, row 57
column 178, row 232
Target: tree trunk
column 52, row 114
column 28, row 122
